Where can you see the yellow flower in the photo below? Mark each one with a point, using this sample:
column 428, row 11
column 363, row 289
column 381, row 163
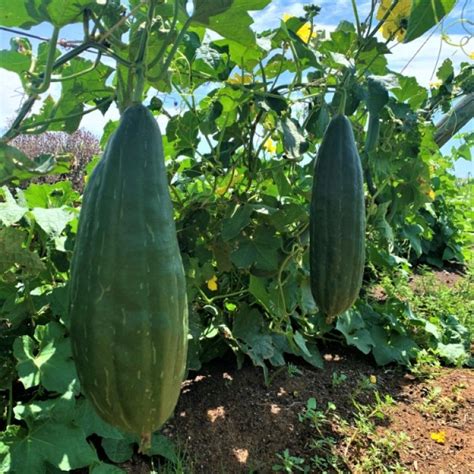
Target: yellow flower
column 270, row 145
column 395, row 23
column 241, row 80
column 471, row 55
column 373, row 379
column 304, row 32
column 439, row 437
column 212, row 283
column 436, row 84
column 431, row 194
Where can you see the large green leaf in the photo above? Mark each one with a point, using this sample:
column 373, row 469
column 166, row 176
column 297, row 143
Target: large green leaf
column 27, row 13
column 61, row 444
column 229, row 18
column 425, row 14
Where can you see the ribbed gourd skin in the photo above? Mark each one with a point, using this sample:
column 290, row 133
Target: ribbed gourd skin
column 128, row 307
column 337, row 221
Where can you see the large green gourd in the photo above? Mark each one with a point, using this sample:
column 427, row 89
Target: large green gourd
column 128, row 300
column 337, row 221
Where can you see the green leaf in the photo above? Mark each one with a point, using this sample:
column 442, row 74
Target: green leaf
column 104, row 468
column 91, row 423
column 17, row 58
column 162, row 446
column 250, row 329
column 51, row 442
column 354, row 329
column 118, row 450
column 245, row 56
column 424, row 15
column 293, row 140
column 259, row 252
column 391, row 347
column 10, row 211
column 455, row 354
column 28, row 13
column 318, row 120
column 229, row 18
column 46, row 359
column 53, row 221
column 13, row 253
column 15, row 165
column 258, row 289
column 60, row 409
column 233, row 226
column 410, row 91
column 305, row 296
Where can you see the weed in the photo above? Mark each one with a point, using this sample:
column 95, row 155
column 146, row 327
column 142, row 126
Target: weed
column 438, row 405
column 289, row 463
column 426, row 365
column 338, row 378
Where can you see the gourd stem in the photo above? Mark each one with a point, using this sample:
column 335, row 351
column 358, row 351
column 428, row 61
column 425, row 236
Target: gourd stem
column 171, row 54
column 141, row 56
column 43, row 87
column 342, row 104
column 167, row 40
column 356, row 15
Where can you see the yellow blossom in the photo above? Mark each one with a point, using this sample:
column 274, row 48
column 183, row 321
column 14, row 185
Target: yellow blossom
column 304, row 32
column 212, row 283
column 431, row 194
column 241, row 80
column 270, row 145
column 395, row 23
column 471, row 55
column 436, row 84
column 439, row 437
column 373, row 379
column 235, row 179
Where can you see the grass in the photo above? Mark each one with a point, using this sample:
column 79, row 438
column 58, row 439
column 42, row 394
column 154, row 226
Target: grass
column 341, row 445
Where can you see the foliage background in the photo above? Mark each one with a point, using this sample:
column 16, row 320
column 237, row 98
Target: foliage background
column 240, row 147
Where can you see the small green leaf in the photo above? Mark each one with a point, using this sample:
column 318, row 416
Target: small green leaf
column 10, row 211
column 53, row 221
column 46, row 359
column 293, row 140
column 17, row 58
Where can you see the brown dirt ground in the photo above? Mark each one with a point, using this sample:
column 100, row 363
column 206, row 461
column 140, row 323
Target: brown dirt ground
column 228, row 421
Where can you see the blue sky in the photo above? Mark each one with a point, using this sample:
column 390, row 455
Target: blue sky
column 417, row 58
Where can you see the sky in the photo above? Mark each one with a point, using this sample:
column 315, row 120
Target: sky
column 419, row 58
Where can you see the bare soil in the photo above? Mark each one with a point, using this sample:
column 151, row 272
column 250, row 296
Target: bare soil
column 228, row 421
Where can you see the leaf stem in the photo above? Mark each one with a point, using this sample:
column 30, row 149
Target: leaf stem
column 10, row 404
column 171, row 54
column 356, row 15
column 140, row 62
column 167, row 40
column 67, row 117
column 43, row 87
